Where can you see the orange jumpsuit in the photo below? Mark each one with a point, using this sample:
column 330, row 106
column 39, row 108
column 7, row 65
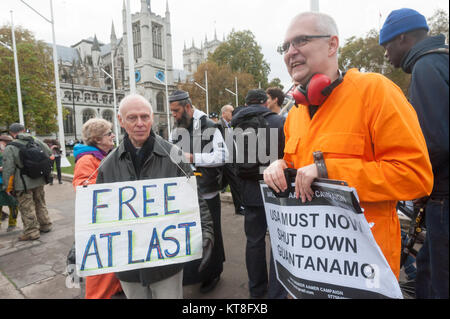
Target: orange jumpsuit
column 371, row 138
column 99, row 286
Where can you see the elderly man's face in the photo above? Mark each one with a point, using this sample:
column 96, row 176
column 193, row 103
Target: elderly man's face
column 310, row 58
column 137, row 120
column 227, row 114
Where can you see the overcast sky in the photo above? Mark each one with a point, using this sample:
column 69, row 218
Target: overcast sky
column 267, row 19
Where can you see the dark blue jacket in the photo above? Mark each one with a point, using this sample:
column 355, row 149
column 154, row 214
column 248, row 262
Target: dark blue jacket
column 251, row 193
column 430, row 97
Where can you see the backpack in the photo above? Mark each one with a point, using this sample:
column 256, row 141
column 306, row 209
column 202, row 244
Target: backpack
column 36, row 163
column 249, row 125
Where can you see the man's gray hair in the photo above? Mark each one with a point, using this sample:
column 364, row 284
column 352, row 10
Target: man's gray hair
column 133, row 97
column 325, row 24
column 225, row 107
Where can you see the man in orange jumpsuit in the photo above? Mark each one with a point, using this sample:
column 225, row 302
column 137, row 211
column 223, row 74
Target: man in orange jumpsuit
column 367, row 131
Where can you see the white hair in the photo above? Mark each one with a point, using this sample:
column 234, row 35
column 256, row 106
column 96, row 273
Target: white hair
column 225, row 108
column 133, row 98
column 325, row 24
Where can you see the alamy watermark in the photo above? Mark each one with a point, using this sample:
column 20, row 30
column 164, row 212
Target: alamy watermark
column 240, row 146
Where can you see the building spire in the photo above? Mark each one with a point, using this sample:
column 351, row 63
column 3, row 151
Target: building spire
column 145, row 6
column 113, row 31
column 95, row 45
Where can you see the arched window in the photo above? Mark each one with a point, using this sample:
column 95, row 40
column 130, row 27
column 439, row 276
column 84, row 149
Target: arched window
column 68, row 95
column 108, row 115
column 68, row 121
column 88, row 114
column 160, row 102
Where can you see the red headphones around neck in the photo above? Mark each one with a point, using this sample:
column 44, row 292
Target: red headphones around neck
column 317, row 90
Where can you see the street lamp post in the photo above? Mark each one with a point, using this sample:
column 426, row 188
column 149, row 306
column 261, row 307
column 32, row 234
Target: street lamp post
column 73, row 108
column 64, row 161
column 206, row 90
column 114, row 95
column 160, row 78
column 131, row 71
column 16, row 67
column 236, row 94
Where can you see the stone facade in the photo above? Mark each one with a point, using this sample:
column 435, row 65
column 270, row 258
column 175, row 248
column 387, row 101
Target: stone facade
column 87, row 91
column 193, row 56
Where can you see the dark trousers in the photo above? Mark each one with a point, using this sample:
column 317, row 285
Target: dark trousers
column 230, row 178
column 255, row 226
column 191, row 275
column 255, row 256
column 432, row 259
column 57, row 162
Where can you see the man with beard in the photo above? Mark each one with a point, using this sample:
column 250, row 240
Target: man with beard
column 203, row 146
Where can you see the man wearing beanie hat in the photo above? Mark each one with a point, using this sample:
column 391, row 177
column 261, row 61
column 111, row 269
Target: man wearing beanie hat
column 405, row 37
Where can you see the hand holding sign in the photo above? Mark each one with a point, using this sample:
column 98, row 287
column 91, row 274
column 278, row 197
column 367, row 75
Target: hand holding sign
column 132, row 225
column 303, row 180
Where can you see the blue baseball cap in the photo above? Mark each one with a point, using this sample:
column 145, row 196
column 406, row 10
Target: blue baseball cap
column 401, row 21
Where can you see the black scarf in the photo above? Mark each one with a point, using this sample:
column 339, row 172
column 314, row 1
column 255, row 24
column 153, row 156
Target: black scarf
column 139, row 157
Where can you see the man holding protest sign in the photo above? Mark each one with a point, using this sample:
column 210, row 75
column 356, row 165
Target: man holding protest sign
column 368, row 132
column 145, row 156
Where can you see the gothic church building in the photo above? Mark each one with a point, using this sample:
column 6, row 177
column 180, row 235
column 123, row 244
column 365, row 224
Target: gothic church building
column 87, row 90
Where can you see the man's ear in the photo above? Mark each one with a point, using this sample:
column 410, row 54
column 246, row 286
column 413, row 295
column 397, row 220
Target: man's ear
column 333, row 46
column 402, row 38
column 119, row 118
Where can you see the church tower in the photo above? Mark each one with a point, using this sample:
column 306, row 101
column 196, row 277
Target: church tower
column 152, row 53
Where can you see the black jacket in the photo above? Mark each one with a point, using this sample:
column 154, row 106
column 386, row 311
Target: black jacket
column 210, row 178
column 154, row 162
column 251, row 193
column 429, row 95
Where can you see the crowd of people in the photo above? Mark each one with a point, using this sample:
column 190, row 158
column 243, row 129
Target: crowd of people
column 388, row 147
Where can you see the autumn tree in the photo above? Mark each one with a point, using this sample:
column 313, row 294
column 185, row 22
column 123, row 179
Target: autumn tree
column 367, row 55
column 276, row 82
column 36, row 81
column 438, row 23
column 243, row 54
column 220, row 77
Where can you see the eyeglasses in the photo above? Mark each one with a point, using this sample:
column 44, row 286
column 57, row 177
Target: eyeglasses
column 298, row 42
column 109, row 133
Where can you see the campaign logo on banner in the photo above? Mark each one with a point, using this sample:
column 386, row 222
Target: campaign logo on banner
column 136, row 224
column 325, row 248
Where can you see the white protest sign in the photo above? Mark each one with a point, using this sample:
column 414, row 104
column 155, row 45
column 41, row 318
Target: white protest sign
column 325, row 248
column 139, row 224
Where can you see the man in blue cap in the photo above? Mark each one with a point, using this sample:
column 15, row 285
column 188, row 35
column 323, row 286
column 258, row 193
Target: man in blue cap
column 405, row 37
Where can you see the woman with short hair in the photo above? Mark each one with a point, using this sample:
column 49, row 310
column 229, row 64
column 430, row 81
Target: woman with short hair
column 98, row 139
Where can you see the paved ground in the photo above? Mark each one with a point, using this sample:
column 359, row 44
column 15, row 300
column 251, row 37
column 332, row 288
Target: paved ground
column 37, row 269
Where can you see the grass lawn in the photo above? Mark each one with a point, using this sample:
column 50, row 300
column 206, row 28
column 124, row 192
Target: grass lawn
column 68, row 170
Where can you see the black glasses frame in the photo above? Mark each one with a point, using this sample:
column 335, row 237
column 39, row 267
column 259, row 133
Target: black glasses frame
column 298, row 42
